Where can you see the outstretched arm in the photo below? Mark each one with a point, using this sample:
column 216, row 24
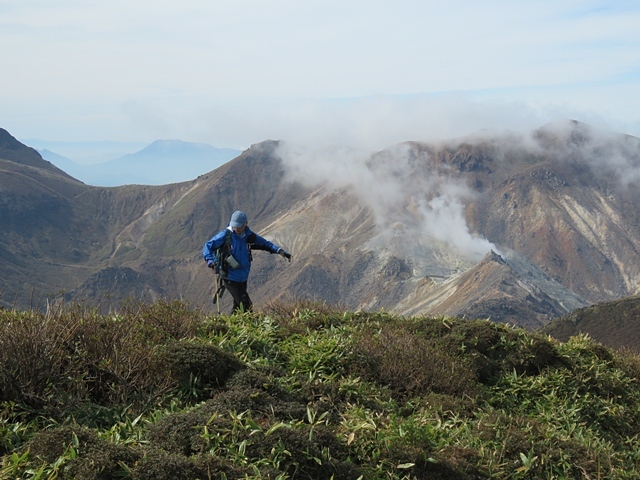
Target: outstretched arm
column 260, row 243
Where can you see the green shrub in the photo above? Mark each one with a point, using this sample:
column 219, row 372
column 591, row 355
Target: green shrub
column 72, row 355
column 450, row 463
column 34, row 356
column 198, row 367
column 492, row 349
column 248, row 390
column 162, row 320
column 81, row 453
column 513, row 443
column 16, row 427
column 314, row 452
column 156, row 391
column 629, row 362
column 116, row 363
column 162, row 465
column 182, row 432
column 409, row 364
column 297, row 317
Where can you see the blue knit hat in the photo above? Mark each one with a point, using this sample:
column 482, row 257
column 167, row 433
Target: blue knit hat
column 238, row 219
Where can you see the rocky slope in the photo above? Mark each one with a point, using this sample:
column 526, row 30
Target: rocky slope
column 615, row 324
column 520, row 229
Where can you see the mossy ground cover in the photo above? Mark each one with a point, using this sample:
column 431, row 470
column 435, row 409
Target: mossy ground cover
column 304, row 391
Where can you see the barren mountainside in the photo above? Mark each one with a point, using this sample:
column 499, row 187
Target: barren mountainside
column 516, row 228
column 615, row 324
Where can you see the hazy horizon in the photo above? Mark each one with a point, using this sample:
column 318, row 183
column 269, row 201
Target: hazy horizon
column 363, row 74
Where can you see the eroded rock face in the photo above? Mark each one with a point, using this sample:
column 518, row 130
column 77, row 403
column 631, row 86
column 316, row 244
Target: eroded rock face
column 518, row 229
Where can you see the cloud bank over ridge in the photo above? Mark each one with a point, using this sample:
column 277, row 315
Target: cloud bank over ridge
column 410, row 208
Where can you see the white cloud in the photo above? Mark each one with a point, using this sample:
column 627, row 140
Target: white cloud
column 235, row 73
column 404, row 194
column 443, row 219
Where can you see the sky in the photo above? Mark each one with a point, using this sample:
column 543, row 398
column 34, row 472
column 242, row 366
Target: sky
column 367, row 74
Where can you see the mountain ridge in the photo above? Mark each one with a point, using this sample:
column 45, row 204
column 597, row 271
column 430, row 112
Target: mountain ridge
column 15, row 151
column 614, row 323
column 500, row 288
column 419, row 249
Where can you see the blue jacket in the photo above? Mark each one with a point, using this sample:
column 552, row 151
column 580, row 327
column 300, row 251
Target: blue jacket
column 239, row 250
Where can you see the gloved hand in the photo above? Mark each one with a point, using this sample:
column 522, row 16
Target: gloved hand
column 211, row 264
column 284, row 253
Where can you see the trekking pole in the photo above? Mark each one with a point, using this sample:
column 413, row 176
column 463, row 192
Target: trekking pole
column 216, row 295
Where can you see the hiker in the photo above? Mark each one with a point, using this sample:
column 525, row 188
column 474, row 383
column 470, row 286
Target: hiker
column 229, row 254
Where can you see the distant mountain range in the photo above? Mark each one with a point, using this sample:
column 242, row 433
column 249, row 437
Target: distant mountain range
column 86, row 152
column 162, row 162
column 521, row 229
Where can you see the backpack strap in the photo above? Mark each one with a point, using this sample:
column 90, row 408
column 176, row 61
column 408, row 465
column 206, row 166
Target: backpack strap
column 223, row 252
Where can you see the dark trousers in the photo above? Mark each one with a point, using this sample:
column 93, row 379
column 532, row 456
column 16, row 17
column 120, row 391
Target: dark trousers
column 238, row 291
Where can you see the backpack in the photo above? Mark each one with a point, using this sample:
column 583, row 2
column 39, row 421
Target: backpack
column 222, row 252
column 221, row 269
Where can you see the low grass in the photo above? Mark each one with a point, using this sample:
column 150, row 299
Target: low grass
column 305, row 391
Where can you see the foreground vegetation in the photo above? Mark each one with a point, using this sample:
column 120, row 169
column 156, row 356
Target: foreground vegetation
column 301, row 391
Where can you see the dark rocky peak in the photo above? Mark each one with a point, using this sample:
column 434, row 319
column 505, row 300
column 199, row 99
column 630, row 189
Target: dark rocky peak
column 15, row 151
column 8, row 142
column 12, row 149
column 572, row 135
column 492, row 256
column 563, row 134
column 259, row 160
column 266, row 147
column 581, row 153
